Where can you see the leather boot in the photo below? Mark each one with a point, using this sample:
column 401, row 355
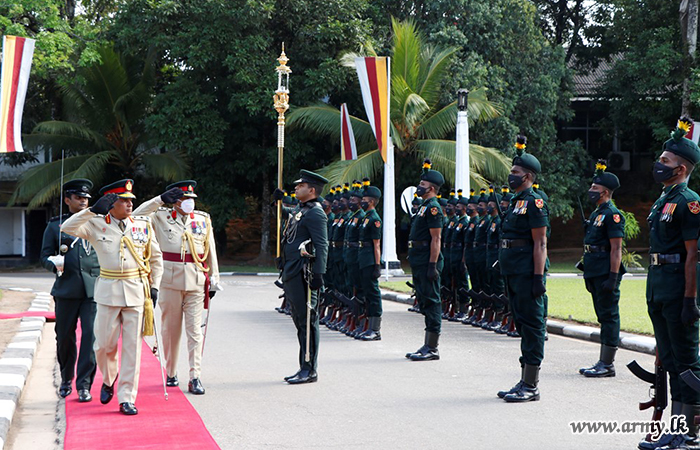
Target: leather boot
column 604, row 367
column 373, row 334
column 431, row 342
column 666, row 439
column 690, row 412
column 502, row 394
column 528, row 389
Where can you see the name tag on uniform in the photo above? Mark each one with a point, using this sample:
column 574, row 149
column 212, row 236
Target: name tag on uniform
column 520, row 207
column 667, row 212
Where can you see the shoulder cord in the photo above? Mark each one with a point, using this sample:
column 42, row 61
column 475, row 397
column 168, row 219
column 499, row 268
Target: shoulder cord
column 199, row 262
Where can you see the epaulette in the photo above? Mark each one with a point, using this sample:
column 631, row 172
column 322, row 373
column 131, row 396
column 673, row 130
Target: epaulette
column 201, row 213
column 163, row 208
column 58, row 217
column 689, row 194
column 145, row 218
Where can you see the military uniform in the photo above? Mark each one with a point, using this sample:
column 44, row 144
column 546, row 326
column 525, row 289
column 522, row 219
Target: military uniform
column 456, row 254
column 469, row 235
column 336, row 244
column 450, row 224
column 73, row 292
column 429, row 217
column 371, row 231
column 306, row 221
column 190, row 273
column 130, row 264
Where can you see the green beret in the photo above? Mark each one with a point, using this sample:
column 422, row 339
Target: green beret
column 356, row 189
column 482, row 196
column 603, row 178
column 442, row 201
column 346, row 191
column 682, row 146
column 473, row 199
column 506, row 194
column 524, row 159
column 493, row 195
column 431, row 176
column 461, row 199
column 372, row 191
column 306, row 176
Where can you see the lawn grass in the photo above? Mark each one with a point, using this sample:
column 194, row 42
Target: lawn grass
column 569, row 300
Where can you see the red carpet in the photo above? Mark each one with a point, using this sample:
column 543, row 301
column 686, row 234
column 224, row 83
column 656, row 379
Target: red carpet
column 50, row 315
column 160, row 424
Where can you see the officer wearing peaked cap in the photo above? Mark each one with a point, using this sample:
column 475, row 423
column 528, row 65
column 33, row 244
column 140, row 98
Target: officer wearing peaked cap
column 307, row 221
column 131, row 267
column 75, row 264
column 190, row 274
column 674, row 224
column 523, row 258
column 426, row 260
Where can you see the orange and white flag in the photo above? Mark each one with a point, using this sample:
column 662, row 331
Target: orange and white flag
column 373, row 73
column 17, row 55
column 348, row 149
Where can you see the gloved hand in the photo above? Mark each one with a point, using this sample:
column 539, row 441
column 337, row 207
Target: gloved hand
column 172, row 195
column 278, row 194
column 154, row 296
column 104, row 204
column 316, row 281
column 690, row 313
column 538, row 288
column 611, row 282
column 377, row 271
column 463, row 268
column 432, row 271
column 212, row 294
column 279, row 263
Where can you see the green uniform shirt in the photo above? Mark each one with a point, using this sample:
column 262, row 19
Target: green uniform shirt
column 605, row 223
column 527, row 211
column 480, row 235
column 429, row 217
column 457, row 239
column 493, row 238
column 338, row 236
column 352, row 234
column 469, row 239
column 304, row 221
column 370, row 229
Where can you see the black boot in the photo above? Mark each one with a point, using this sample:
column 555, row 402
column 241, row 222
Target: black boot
column 690, row 412
column 65, row 389
column 528, row 389
column 666, row 438
column 373, row 334
column 502, row 394
column 431, row 344
column 604, row 367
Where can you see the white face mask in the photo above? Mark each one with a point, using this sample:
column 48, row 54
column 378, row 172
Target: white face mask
column 187, row 206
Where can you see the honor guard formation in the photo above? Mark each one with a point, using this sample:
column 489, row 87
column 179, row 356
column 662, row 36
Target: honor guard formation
column 479, row 259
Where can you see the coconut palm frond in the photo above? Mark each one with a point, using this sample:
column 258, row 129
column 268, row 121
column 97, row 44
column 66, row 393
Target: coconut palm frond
column 480, row 109
column 60, row 135
column 407, row 48
column 431, row 81
column 324, row 120
column 440, row 124
column 169, row 166
column 366, row 165
column 93, row 168
column 414, row 110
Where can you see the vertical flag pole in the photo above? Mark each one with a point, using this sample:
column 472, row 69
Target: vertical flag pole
column 281, row 102
column 462, row 176
column 389, row 223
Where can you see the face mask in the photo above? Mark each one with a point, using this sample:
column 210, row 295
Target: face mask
column 662, row 172
column 593, row 196
column 420, row 190
column 353, row 207
column 514, row 182
column 450, row 210
column 187, row 206
column 364, row 205
column 335, row 208
column 414, row 210
column 490, row 209
column 480, row 210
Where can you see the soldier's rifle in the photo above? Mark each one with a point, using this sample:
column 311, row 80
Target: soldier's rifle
column 659, row 385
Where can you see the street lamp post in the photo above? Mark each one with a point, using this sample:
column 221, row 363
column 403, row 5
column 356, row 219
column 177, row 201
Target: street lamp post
column 281, row 102
column 462, row 177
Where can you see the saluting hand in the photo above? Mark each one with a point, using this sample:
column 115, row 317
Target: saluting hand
column 172, row 195
column 104, row 204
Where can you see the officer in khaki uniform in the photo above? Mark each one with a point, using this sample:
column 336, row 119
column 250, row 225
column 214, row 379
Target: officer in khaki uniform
column 131, row 267
column 190, row 274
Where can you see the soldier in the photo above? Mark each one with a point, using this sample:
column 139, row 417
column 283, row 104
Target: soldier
column 351, row 248
column 468, row 257
column 459, row 277
column 190, row 274
column 602, row 267
column 369, row 259
column 74, row 262
column 671, row 283
column 426, row 260
column 494, row 279
column 337, row 241
column 522, row 257
column 451, row 220
column 306, row 222
column 131, row 267
column 482, row 226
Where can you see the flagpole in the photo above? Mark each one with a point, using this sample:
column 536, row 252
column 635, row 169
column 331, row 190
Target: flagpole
column 391, row 260
column 462, row 177
column 281, row 102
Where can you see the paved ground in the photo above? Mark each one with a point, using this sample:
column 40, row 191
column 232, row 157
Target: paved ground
column 369, row 395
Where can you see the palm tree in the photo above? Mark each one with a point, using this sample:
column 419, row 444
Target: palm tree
column 419, row 124
column 104, row 135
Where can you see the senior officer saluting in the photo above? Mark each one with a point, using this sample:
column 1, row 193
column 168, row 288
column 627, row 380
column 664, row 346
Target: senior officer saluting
column 602, row 267
column 523, row 257
column 306, row 221
column 671, row 283
column 74, row 262
column 190, row 274
column 426, row 260
column 131, row 267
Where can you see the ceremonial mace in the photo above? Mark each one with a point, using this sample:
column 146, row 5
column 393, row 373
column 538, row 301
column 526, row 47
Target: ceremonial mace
column 281, row 101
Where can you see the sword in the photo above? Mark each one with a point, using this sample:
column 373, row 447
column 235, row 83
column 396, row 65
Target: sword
column 206, row 326
column 160, row 360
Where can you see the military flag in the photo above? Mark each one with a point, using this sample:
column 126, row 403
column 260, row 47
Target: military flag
column 17, row 55
column 373, row 73
column 348, row 149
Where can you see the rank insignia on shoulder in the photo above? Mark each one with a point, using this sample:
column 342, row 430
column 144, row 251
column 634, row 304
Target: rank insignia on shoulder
column 694, row 207
column 434, row 211
column 616, row 218
column 539, row 203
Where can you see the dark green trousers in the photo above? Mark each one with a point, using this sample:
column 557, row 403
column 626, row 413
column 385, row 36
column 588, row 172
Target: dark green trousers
column 295, row 292
column 370, row 289
column 528, row 314
column 428, row 295
column 497, row 284
column 340, row 281
column 446, row 273
column 459, row 278
column 354, row 275
column 68, row 311
column 607, row 309
column 477, row 273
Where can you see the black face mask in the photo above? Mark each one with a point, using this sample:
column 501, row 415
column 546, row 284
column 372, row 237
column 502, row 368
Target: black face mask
column 414, row 210
column 480, row 210
column 514, row 181
column 662, row 172
column 353, row 207
column 420, row 190
column 335, row 208
column 593, row 196
column 490, row 209
column 364, row 205
column 449, row 210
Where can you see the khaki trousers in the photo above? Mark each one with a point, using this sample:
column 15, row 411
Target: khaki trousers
column 175, row 304
column 109, row 322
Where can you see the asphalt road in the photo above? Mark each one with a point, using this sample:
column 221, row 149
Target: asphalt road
column 369, row 395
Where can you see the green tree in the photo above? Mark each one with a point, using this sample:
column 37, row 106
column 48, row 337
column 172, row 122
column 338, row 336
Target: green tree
column 104, row 136
column 420, row 123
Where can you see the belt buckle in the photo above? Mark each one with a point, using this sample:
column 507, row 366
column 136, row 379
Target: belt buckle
column 654, row 259
column 505, row 243
column 410, row 244
column 587, row 248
